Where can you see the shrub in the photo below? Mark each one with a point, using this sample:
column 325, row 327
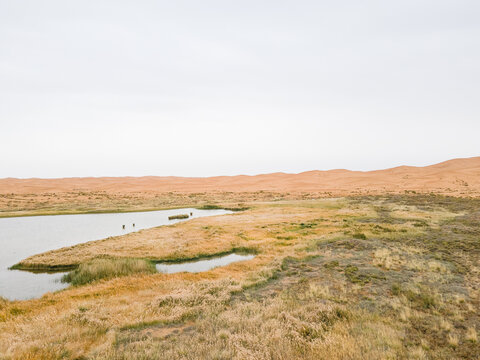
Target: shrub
column 331, row 264
column 396, row 289
column 360, row 236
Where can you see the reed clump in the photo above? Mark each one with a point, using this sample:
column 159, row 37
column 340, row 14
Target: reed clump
column 181, row 216
column 108, row 268
column 209, row 207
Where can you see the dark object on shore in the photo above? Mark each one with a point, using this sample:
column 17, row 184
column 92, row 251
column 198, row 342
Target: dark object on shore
column 191, row 214
column 123, row 226
column 182, row 216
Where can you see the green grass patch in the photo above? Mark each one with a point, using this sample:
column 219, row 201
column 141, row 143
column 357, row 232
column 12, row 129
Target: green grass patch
column 108, row 268
column 360, row 236
column 16, row 311
column 422, row 298
column 331, row 264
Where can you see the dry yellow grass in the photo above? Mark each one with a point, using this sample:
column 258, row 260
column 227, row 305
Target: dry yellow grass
column 77, row 202
column 261, row 228
column 471, row 334
column 315, row 290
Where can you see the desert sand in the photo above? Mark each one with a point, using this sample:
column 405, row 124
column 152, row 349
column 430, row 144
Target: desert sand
column 458, row 176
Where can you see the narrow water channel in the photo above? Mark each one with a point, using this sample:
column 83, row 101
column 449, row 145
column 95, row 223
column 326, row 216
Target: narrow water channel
column 201, row 265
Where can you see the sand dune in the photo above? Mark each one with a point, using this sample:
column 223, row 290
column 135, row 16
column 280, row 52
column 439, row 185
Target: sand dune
column 458, row 176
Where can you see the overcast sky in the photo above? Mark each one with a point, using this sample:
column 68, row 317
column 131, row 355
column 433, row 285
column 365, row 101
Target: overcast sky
column 201, row 88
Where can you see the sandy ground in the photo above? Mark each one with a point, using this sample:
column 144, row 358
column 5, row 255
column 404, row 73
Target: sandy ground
column 460, row 177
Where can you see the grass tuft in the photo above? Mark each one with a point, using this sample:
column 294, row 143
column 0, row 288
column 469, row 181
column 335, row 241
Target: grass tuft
column 360, row 236
column 471, row 335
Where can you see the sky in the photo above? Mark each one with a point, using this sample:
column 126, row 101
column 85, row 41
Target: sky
column 205, row 88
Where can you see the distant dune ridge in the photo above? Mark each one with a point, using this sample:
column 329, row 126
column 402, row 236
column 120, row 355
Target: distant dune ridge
column 458, row 176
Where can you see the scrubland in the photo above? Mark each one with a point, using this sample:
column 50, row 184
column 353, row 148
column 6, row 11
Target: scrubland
column 91, row 202
column 371, row 277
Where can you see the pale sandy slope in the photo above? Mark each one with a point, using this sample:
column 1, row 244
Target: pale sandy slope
column 458, row 176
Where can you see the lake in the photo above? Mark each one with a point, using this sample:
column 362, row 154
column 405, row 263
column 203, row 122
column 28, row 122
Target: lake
column 21, row 237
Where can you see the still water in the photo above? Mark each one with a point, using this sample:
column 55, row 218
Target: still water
column 21, row 237
column 201, row 265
